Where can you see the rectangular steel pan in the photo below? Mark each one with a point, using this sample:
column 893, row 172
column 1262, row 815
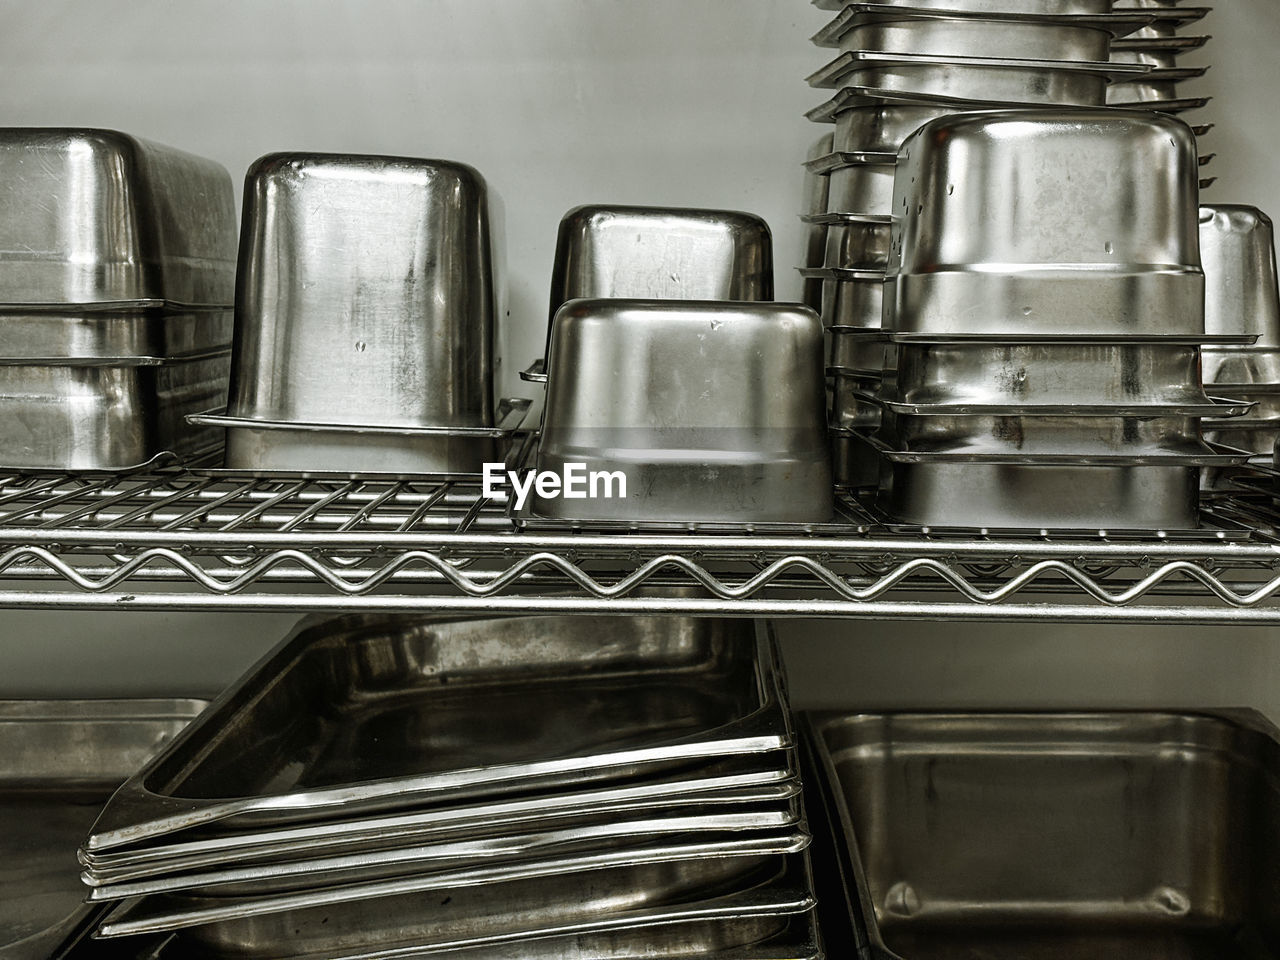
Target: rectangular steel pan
column 59, row 762
column 392, row 713
column 1038, row 7
column 1142, row 835
column 111, row 337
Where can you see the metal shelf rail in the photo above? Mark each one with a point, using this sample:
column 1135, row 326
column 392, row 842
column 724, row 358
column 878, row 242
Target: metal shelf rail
column 182, row 539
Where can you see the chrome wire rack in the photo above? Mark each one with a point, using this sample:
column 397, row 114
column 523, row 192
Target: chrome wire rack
column 190, row 539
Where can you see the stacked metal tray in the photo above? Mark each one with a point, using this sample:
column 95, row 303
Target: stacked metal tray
column 116, row 284
column 533, row 787
column 60, row 760
column 1016, row 835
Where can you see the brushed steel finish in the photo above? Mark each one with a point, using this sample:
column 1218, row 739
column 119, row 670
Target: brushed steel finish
column 366, row 293
column 1143, row 835
column 879, row 126
column 106, row 417
column 1091, row 216
column 1242, row 294
column 62, row 760
column 78, row 337
column 853, row 350
column 703, row 688
column 1159, row 85
column 986, row 79
column 861, row 187
column 1039, row 7
column 856, row 462
column 91, row 216
column 815, row 204
column 858, row 246
column 714, row 411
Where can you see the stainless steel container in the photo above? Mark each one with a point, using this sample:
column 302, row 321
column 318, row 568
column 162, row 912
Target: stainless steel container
column 1068, row 835
column 861, row 187
column 1169, row 20
column 852, row 299
column 853, row 245
column 1041, row 7
column 62, row 759
column 76, row 336
column 853, row 350
column 1158, row 52
column 93, row 216
column 1161, row 84
column 1242, row 294
column 852, row 404
column 815, row 204
column 711, row 411
column 874, row 126
column 985, row 79
column 106, row 417
column 1090, row 213
column 436, row 712
column 856, row 461
column 366, row 293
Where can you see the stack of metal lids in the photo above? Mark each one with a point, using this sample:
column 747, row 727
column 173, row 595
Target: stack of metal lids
column 1045, row 306
column 1160, row 45
column 902, row 64
column 523, row 787
column 117, row 275
column 1242, row 298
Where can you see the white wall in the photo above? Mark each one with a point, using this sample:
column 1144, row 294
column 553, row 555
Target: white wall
column 561, row 102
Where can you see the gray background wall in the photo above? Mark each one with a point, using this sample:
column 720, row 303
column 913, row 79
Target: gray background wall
column 561, row 102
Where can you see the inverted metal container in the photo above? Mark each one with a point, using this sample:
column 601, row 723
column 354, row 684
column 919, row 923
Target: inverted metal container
column 1091, row 216
column 1228, row 370
column 93, row 216
column 1159, row 85
column 1002, row 377
column 566, row 898
column 60, row 760
column 858, row 246
column 1036, row 835
column 986, row 79
column 350, row 699
column 366, row 293
column 861, row 188
column 1169, row 20
column 714, row 412
column 874, row 27
column 1064, row 435
column 853, row 301
column 106, row 417
column 1159, row 53
column 815, row 234
column 976, row 495
column 111, row 337
column 1041, row 7
column 1242, row 294
column 852, row 350
column 661, row 253
column 880, row 127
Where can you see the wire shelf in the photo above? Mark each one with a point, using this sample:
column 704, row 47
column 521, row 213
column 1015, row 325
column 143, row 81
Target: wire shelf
column 190, row 539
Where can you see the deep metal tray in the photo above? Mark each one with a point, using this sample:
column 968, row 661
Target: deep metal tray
column 60, row 760
column 378, row 714
column 1036, row 836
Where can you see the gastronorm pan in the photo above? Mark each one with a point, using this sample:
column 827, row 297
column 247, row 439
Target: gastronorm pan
column 879, row 127
column 1168, row 20
column 568, row 894
column 61, row 761
column 295, row 446
column 1159, row 85
column 1036, row 496
column 1160, row 52
column 1242, row 296
column 888, row 29
column 713, row 412
column 1039, row 7
column 853, row 245
column 1002, row 79
column 1122, row 257
column 82, row 336
column 366, row 293
column 319, row 864
column 1141, row 835
column 815, row 204
column 852, row 298
column 513, row 704
column 98, row 217
column 735, row 788
column 990, row 378
column 106, row 417
column 861, row 187
column 854, row 350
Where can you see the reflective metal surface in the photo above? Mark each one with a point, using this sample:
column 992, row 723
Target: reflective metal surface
column 61, row 760
column 1041, row 7
column 1091, row 215
column 366, row 293
column 95, row 216
column 815, row 204
column 670, row 394
column 391, row 713
column 1160, row 84
column 876, row 126
column 985, row 79
column 858, row 246
column 861, row 188
column 72, row 335
column 106, row 417
column 1157, row 52
column 1143, row 835
column 851, row 350
column 1242, row 295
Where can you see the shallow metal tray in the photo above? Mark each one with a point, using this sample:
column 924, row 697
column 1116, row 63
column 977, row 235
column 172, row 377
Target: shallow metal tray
column 513, row 704
column 367, row 293
column 59, row 762
column 735, row 785
column 106, row 417
column 1122, row 256
column 109, row 337
column 1004, row 80
column 1039, row 7
column 91, row 216
column 1143, row 835
column 570, row 895
column 669, row 394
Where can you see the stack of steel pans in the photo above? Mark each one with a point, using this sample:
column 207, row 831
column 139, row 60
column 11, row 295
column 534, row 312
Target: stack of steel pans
column 1045, row 302
column 117, row 272
column 1242, row 298
column 525, row 787
column 902, row 64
